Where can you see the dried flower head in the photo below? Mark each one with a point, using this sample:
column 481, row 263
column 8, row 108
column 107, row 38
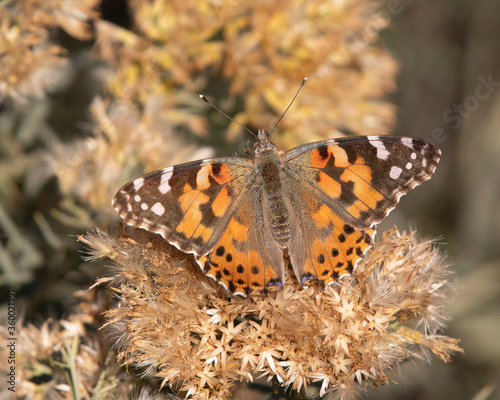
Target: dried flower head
column 30, row 63
column 64, row 359
column 255, row 54
column 180, row 326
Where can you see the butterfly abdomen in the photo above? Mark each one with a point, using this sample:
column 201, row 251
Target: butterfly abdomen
column 272, row 190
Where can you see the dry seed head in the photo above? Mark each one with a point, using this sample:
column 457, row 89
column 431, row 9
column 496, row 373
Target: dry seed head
column 201, row 342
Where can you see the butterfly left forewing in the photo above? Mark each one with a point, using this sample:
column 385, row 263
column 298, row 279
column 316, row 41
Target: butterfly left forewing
column 362, row 178
column 189, row 204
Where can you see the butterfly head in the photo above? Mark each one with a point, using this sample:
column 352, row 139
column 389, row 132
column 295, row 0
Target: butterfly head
column 263, row 143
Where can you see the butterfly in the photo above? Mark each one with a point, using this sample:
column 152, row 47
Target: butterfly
column 318, row 204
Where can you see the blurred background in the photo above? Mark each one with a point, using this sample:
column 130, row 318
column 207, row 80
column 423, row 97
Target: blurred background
column 93, row 94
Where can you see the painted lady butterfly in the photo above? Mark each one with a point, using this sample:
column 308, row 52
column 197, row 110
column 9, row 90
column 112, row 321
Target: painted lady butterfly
column 318, row 202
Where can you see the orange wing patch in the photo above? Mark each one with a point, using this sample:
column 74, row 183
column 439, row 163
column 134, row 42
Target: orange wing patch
column 329, row 185
column 191, row 200
column 221, row 202
column 190, row 223
column 218, row 172
column 361, row 176
column 233, row 264
column 321, row 156
column 337, row 254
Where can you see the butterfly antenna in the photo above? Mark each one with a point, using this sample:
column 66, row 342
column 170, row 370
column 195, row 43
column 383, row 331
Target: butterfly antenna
column 294, row 97
column 227, row 116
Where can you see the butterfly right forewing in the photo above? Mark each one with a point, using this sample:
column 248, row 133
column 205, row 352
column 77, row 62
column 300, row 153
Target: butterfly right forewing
column 362, row 178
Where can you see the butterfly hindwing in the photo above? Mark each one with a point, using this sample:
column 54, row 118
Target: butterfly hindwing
column 333, row 246
column 246, row 259
column 362, row 178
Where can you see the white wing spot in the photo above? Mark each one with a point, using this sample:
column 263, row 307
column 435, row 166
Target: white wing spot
column 137, row 198
column 138, row 183
column 158, row 209
column 408, row 142
column 382, row 152
column 413, row 156
column 165, row 177
column 144, row 206
column 409, row 165
column 395, row 172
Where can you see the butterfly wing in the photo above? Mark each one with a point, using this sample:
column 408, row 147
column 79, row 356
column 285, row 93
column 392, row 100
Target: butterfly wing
column 189, row 204
column 211, row 209
column 346, row 187
column 247, row 259
column 362, row 178
column 323, row 246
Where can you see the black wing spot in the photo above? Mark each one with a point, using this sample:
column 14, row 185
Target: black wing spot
column 335, row 252
column 216, row 168
column 220, row 251
column 240, row 269
column 255, row 270
column 418, row 144
column 349, row 251
column 341, row 238
column 229, row 257
column 226, row 272
column 321, row 259
column 339, row 265
column 207, row 267
column 218, row 275
column 240, row 281
column 348, row 229
column 350, row 267
column 359, row 252
column 323, row 152
column 347, row 193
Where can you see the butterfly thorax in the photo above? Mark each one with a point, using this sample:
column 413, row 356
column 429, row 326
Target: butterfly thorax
column 270, row 169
